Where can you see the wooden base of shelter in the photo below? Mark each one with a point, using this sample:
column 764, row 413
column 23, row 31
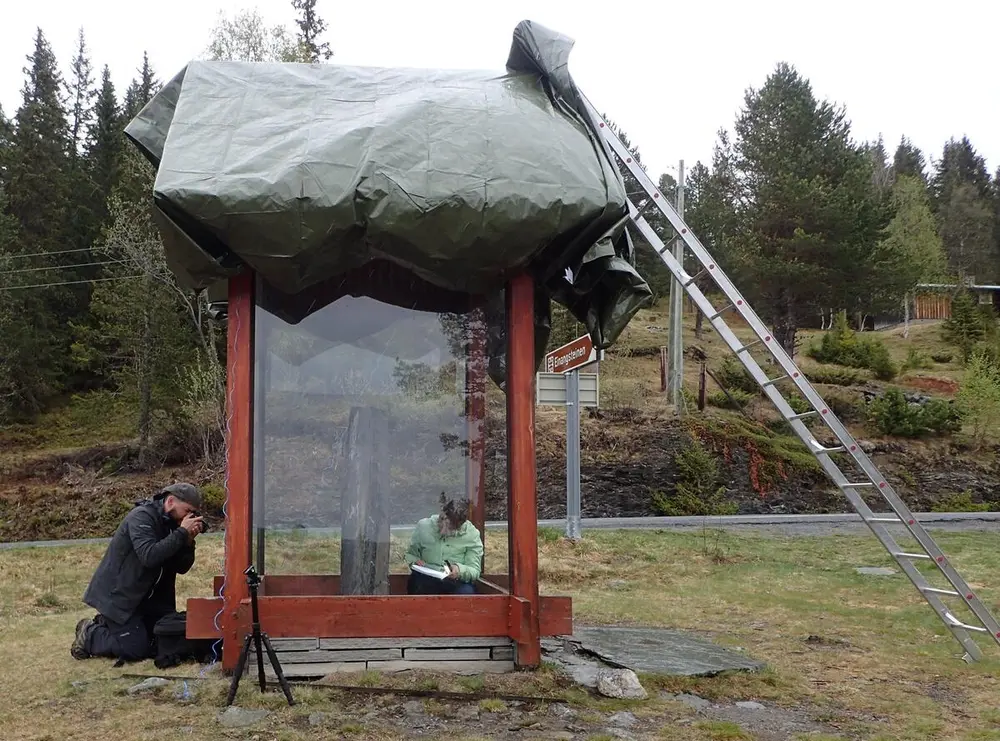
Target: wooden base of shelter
column 389, row 630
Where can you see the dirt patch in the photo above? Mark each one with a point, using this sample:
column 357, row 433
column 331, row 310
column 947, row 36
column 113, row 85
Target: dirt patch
column 945, row 386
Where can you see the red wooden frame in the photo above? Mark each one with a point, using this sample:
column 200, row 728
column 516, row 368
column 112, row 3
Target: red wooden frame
column 288, row 612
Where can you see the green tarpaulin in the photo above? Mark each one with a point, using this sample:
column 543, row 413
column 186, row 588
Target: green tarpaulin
column 424, row 188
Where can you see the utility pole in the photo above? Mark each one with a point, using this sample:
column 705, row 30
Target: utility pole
column 676, row 311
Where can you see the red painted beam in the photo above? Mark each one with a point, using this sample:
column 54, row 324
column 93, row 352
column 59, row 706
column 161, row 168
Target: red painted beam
column 522, row 513
column 239, row 458
column 387, row 617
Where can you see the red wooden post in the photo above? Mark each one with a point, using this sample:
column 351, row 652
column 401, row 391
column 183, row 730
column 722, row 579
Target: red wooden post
column 475, row 410
column 522, row 515
column 239, row 459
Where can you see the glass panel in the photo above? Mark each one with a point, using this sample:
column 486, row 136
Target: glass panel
column 363, row 417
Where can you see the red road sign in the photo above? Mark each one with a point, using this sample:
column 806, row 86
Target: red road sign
column 572, row 355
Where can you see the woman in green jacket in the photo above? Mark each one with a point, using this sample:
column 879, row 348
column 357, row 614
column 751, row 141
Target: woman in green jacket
column 448, row 545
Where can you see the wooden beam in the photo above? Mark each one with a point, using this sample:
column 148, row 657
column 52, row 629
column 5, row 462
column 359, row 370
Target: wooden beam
column 290, row 585
column 522, row 513
column 390, row 617
column 239, row 457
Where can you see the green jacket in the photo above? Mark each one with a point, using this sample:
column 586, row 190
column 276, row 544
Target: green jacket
column 464, row 548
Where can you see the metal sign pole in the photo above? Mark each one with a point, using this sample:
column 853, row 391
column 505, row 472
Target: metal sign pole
column 573, row 455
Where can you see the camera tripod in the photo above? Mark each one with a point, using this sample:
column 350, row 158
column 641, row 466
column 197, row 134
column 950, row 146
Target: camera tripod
column 261, row 641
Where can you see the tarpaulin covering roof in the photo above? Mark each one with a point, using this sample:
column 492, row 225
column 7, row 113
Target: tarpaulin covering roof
column 423, row 188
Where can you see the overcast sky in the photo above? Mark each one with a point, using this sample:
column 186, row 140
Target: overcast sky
column 670, row 73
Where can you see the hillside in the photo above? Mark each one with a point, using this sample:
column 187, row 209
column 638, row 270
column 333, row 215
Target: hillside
column 61, row 476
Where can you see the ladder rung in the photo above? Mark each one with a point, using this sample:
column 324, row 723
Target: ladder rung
column 935, row 590
column 820, row 450
column 855, row 486
column 902, row 554
column 773, row 381
column 721, row 311
column 956, row 623
column 747, row 346
column 696, row 276
column 885, row 519
column 803, row 415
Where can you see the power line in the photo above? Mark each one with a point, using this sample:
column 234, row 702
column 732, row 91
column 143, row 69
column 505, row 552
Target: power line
column 68, row 282
column 45, row 254
column 60, row 267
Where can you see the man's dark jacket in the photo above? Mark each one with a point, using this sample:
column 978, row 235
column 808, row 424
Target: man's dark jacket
column 139, row 568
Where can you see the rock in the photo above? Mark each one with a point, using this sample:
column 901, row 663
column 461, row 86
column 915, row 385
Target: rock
column 875, row 570
column 184, row 692
column 621, row 684
column 619, row 733
column 236, row 717
column 750, row 705
column 618, row 584
column 868, row 447
column 623, row 720
column 78, row 684
column 317, row 719
column 186, row 729
column 148, row 685
column 692, row 701
column 413, row 707
column 467, row 712
column 561, row 711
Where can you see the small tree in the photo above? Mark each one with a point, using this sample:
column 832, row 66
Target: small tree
column 979, row 397
column 966, row 326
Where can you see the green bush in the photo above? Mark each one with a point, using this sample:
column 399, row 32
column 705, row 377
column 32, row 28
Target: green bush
column 835, row 376
column 698, row 491
column 962, row 502
column 719, row 398
column 842, row 346
column 979, row 397
column 916, row 360
column 214, row 496
column 733, row 375
column 891, row 414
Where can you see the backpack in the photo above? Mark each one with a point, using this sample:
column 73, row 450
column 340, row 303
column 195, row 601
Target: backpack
column 173, row 647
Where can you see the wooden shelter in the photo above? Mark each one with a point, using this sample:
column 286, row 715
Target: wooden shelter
column 317, row 609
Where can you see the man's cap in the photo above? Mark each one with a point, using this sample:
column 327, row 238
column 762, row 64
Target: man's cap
column 185, row 492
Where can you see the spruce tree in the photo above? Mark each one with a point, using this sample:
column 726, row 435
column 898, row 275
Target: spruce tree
column 81, row 96
column 311, row 28
column 909, row 160
column 103, row 147
column 38, row 198
column 141, row 90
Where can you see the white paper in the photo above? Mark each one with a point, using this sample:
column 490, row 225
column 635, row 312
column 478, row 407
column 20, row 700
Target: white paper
column 429, row 572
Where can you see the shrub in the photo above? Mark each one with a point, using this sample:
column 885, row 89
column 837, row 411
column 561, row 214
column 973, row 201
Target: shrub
column 979, row 396
column 891, row 414
column 719, row 398
column 834, row 376
column 214, row 496
column 733, row 375
column 962, row 502
column 916, row 360
column 942, row 357
column 698, row 491
column 842, row 346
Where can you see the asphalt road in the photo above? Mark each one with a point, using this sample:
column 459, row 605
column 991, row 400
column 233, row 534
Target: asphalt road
column 782, row 525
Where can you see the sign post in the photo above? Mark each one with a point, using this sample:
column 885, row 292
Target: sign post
column 567, row 362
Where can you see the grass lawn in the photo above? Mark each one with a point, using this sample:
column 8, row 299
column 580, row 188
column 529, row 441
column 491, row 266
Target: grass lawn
column 863, row 655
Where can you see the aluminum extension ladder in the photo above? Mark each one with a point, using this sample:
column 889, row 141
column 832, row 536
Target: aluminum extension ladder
column 867, row 475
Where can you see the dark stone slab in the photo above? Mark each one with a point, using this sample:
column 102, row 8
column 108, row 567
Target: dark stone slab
column 660, row 651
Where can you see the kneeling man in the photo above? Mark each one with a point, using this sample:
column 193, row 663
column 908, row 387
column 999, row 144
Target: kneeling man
column 133, row 586
column 448, row 543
